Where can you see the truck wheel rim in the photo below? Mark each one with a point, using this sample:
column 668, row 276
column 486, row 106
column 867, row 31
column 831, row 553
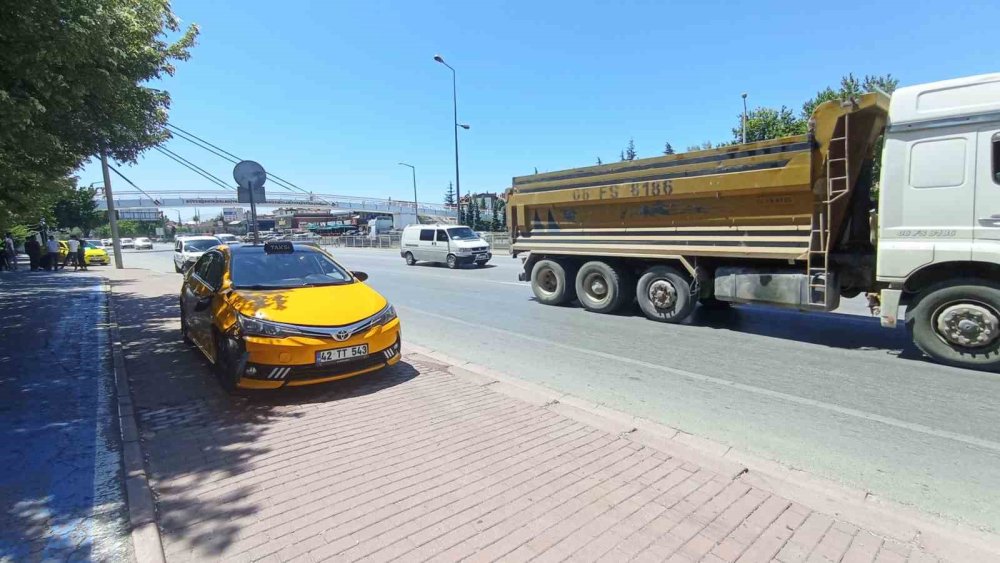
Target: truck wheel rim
column 547, row 281
column 971, row 325
column 596, row 286
column 662, row 294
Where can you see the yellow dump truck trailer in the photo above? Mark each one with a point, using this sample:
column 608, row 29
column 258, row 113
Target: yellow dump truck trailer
column 786, row 221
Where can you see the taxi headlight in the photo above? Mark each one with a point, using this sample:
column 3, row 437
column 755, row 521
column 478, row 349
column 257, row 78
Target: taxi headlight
column 386, row 316
column 257, row 327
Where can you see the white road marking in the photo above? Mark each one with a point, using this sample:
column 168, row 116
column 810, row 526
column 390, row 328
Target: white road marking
column 846, row 411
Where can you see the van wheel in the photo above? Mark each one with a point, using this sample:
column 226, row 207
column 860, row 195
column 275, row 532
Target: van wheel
column 958, row 324
column 452, row 261
column 664, row 295
column 410, row 260
column 553, row 282
column 602, row 288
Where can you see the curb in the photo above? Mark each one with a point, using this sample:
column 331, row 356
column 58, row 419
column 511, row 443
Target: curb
column 146, row 543
column 942, row 538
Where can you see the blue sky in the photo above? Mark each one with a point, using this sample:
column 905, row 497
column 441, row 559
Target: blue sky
column 332, row 95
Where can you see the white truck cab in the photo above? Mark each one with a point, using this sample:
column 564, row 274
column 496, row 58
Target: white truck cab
column 453, row 245
column 938, row 246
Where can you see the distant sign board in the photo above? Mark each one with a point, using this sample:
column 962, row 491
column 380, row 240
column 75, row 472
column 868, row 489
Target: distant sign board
column 230, row 214
column 243, row 195
column 139, row 214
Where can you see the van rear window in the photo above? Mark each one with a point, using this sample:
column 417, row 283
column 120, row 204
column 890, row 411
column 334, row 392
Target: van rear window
column 426, row 234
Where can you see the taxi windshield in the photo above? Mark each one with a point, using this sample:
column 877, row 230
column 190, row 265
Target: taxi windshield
column 463, row 233
column 253, row 269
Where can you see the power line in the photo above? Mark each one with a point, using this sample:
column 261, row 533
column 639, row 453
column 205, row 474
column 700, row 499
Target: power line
column 131, row 183
column 199, row 142
column 194, row 167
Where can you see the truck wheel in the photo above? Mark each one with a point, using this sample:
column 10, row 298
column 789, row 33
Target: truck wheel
column 452, row 261
column 664, row 295
column 410, row 260
column 959, row 324
column 553, row 282
column 602, row 288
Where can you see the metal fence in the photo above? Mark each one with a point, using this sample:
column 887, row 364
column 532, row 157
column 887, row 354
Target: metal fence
column 498, row 241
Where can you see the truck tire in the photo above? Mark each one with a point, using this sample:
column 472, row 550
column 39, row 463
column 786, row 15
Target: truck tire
column 553, row 282
column 664, row 295
column 958, row 323
column 603, row 288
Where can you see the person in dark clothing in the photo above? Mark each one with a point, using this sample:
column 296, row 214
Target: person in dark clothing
column 34, row 251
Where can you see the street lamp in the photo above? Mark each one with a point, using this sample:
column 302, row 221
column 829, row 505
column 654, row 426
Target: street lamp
column 454, row 99
column 414, row 170
column 744, row 117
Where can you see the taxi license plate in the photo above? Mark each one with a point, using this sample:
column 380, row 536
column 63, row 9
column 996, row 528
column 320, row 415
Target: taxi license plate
column 348, row 353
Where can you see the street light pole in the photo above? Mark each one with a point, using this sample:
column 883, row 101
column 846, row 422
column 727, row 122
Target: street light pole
column 744, row 117
column 116, row 243
column 454, row 99
column 413, row 169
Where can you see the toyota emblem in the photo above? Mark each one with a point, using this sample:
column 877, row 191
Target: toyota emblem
column 341, row 336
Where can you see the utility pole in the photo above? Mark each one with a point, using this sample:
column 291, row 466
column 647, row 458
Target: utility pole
column 112, row 217
column 414, row 170
column 744, row 118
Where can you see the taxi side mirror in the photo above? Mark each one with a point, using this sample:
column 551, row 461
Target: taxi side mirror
column 203, row 303
column 360, row 275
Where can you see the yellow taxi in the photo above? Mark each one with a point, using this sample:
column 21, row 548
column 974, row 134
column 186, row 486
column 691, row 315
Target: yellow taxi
column 91, row 254
column 284, row 313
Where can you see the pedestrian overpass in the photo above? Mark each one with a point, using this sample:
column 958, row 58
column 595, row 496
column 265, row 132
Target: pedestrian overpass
column 402, row 212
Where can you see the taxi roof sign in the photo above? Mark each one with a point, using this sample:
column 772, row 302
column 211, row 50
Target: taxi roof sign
column 278, row 247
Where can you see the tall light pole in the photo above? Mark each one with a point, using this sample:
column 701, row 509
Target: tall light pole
column 454, row 99
column 413, row 169
column 744, row 117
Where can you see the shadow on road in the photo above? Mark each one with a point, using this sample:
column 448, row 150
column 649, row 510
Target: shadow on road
column 848, row 332
column 196, row 434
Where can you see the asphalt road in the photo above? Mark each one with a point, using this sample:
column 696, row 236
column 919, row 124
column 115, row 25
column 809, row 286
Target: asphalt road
column 835, row 395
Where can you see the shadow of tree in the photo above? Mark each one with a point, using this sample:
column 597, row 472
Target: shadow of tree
column 57, row 433
column 200, row 441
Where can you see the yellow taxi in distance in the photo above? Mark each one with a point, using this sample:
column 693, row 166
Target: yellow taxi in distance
column 284, row 313
column 91, row 254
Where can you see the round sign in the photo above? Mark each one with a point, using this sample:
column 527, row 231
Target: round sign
column 249, row 174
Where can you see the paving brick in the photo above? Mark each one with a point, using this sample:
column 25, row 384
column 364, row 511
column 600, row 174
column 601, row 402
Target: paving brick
column 863, row 549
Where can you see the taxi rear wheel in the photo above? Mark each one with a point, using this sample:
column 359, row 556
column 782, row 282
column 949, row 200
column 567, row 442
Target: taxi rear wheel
column 226, row 362
column 185, row 335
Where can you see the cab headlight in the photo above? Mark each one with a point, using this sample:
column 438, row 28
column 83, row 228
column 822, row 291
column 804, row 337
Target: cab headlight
column 386, row 316
column 258, row 327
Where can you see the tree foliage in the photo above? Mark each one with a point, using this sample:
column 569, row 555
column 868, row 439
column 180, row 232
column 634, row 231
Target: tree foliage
column 77, row 209
column 449, row 196
column 73, row 77
column 629, row 153
column 770, row 123
column 668, row 149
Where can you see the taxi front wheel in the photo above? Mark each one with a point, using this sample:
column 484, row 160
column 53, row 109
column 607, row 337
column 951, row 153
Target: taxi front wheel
column 227, row 356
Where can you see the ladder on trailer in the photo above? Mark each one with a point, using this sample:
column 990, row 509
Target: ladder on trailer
column 837, row 186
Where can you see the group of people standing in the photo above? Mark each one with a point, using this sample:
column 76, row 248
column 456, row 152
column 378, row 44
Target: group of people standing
column 43, row 258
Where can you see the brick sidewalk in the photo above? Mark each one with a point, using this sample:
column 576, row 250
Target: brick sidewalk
column 420, row 464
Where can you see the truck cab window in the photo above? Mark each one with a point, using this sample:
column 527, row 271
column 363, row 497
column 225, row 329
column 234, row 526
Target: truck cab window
column 995, row 145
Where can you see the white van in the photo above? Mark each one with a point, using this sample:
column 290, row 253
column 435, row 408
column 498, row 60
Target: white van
column 453, row 245
column 187, row 250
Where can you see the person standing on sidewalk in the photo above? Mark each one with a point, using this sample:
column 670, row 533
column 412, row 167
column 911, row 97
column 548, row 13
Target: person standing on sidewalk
column 52, row 255
column 34, row 251
column 10, row 251
column 72, row 255
column 81, row 254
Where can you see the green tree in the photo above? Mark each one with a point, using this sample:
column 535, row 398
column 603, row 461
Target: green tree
column 77, row 208
column 599, row 161
column 449, row 196
column 629, row 153
column 668, row 149
column 73, row 81
column 769, row 123
column 129, row 228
